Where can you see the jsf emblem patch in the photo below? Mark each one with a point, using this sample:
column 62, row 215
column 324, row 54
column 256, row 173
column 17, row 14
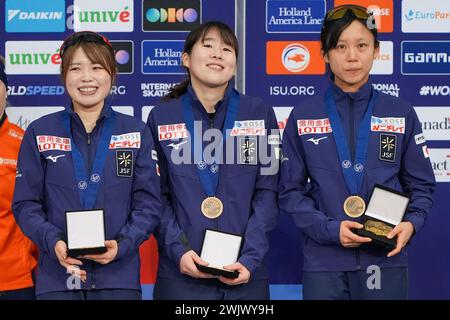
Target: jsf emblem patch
column 124, row 163
column 248, row 151
column 388, row 146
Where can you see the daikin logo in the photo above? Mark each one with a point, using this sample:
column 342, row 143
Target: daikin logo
column 22, row 15
column 35, row 16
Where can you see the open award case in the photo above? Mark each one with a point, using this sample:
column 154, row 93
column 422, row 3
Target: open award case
column 85, row 232
column 385, row 210
column 220, row 249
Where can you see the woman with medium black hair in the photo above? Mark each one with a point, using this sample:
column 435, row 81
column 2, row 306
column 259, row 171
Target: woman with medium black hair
column 344, row 144
column 236, row 197
column 87, row 159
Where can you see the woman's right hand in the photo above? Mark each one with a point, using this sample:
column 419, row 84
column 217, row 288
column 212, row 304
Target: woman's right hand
column 348, row 238
column 70, row 264
column 187, row 265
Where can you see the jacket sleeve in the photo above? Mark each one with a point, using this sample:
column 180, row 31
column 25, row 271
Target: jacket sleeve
column 29, row 200
column 168, row 234
column 145, row 203
column 263, row 218
column 416, row 174
column 294, row 198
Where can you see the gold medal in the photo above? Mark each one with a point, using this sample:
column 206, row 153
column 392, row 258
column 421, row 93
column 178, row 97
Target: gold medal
column 377, row 227
column 354, row 206
column 212, row 207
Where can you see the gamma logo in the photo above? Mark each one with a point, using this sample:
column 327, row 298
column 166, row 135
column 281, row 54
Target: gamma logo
column 171, row 15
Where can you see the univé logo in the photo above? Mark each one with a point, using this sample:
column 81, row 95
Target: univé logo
column 173, row 15
column 285, row 57
column 32, row 57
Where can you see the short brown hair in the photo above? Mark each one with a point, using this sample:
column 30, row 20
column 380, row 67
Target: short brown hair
column 97, row 53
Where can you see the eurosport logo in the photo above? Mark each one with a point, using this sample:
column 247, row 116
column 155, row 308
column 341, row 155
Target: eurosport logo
column 384, row 63
column 425, row 16
column 162, row 56
column 294, row 16
column 440, row 161
column 435, row 122
column 35, row 16
column 103, row 15
column 124, row 55
column 425, row 57
column 32, row 57
column 383, row 11
column 171, row 15
column 285, row 57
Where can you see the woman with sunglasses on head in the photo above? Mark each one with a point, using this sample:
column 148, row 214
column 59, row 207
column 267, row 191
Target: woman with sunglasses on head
column 16, row 283
column 330, row 141
column 236, row 196
column 87, row 156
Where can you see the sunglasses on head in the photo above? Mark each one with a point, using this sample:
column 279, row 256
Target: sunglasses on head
column 340, row 11
column 83, row 36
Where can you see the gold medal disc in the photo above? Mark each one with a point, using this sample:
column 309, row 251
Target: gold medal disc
column 354, row 206
column 212, row 207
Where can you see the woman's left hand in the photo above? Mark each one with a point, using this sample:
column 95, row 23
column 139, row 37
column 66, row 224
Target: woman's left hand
column 403, row 231
column 104, row 258
column 244, row 274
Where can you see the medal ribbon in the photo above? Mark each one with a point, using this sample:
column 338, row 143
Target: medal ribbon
column 89, row 184
column 208, row 179
column 353, row 172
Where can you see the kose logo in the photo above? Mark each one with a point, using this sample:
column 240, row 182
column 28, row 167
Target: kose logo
column 124, row 55
column 175, row 15
column 383, row 12
column 29, row 16
column 32, row 57
column 91, row 15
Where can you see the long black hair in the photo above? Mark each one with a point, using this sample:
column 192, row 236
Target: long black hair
column 193, row 37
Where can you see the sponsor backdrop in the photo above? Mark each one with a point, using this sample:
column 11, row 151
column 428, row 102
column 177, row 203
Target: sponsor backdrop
column 280, row 62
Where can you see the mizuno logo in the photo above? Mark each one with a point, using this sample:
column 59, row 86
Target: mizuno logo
column 316, row 141
column 177, row 146
column 55, row 158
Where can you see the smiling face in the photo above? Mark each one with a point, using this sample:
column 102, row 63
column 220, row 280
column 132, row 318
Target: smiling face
column 211, row 62
column 352, row 58
column 87, row 83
